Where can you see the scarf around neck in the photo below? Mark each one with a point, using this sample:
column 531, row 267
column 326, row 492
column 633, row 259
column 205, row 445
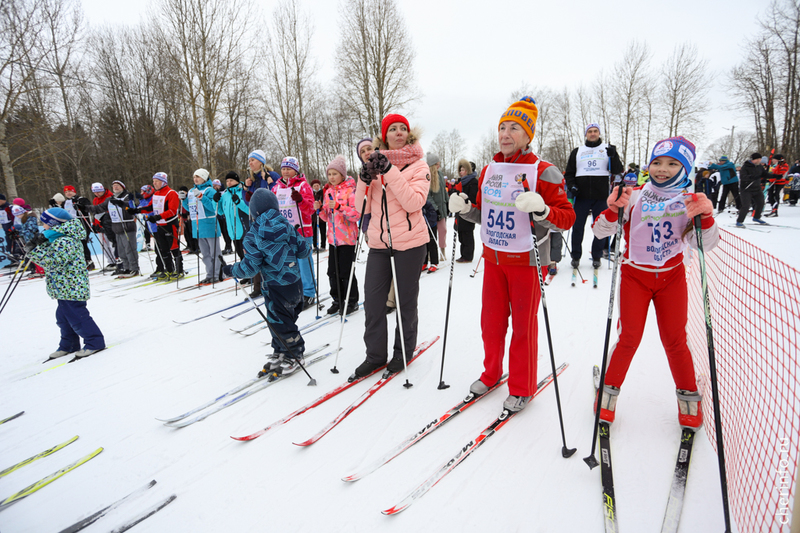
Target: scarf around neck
column 406, row 155
column 673, row 185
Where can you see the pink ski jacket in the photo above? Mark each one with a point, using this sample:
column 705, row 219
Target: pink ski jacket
column 344, row 229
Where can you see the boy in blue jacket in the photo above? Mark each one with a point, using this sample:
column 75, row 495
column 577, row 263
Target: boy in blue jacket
column 274, row 248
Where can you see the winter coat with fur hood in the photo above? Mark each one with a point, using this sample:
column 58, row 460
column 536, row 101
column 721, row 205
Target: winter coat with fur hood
column 406, row 192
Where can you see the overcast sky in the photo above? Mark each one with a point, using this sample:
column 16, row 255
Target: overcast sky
column 472, row 54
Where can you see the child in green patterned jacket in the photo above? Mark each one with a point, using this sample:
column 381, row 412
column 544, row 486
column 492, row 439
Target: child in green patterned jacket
column 59, row 250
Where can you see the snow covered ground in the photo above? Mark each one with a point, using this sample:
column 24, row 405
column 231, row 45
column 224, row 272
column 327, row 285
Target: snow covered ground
column 517, row 481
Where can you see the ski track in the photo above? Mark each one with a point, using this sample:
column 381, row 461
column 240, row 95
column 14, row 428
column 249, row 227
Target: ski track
column 112, row 398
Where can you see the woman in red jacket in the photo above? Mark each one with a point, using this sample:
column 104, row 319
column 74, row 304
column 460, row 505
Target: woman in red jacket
column 513, row 186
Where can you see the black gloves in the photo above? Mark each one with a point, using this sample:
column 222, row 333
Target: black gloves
column 133, row 211
column 52, row 203
column 154, row 218
column 235, row 198
column 117, row 202
column 218, row 196
column 365, row 176
column 227, row 271
column 38, row 239
column 378, row 163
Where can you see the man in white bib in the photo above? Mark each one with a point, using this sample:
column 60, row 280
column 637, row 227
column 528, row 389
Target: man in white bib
column 589, row 171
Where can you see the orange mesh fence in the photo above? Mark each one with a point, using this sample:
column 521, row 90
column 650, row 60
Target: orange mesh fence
column 755, row 310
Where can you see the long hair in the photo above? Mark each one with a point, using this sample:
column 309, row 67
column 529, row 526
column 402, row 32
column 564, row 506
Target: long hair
column 435, row 185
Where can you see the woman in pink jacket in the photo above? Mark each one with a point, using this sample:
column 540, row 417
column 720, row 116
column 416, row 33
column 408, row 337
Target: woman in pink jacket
column 337, row 209
column 398, row 166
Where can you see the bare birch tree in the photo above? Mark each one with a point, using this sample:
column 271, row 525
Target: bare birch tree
column 290, row 78
column 629, row 77
column 487, row 148
column 753, row 85
column 21, row 54
column 204, row 44
column 450, row 147
column 375, row 61
column 684, row 82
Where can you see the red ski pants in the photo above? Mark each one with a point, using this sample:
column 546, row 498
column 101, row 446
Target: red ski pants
column 667, row 291
column 510, row 290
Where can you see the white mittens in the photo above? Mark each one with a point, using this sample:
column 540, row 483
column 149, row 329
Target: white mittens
column 459, row 203
column 532, row 202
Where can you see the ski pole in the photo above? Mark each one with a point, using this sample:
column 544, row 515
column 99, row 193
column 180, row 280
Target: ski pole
column 319, row 237
column 591, row 460
column 583, row 280
column 197, row 228
column 21, row 268
column 313, row 381
column 442, row 384
column 342, row 305
column 235, row 251
column 146, row 243
column 713, row 374
column 216, row 268
column 15, row 283
column 352, row 276
column 385, row 205
column 477, row 266
column 565, row 451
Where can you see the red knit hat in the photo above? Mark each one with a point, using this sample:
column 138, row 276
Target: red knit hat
column 69, row 188
column 389, row 120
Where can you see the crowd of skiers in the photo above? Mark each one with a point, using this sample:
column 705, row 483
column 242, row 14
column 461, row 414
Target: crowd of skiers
column 398, row 205
column 758, row 182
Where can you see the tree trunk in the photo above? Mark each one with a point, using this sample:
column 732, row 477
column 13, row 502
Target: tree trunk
column 5, row 161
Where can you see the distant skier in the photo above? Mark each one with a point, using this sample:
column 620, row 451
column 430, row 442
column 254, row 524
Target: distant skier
column 777, row 181
column 59, row 251
column 588, row 175
column 657, row 229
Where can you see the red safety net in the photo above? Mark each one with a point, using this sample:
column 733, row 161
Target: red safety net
column 755, row 310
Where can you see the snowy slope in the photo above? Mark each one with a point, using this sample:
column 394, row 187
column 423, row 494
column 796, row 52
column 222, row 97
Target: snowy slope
column 518, row 481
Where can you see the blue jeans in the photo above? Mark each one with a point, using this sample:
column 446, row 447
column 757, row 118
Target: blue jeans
column 307, row 274
column 75, row 322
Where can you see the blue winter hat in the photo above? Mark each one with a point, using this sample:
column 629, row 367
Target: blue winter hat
column 292, row 163
column 258, row 155
column 261, row 201
column 161, row 176
column 55, row 216
column 592, row 125
column 677, row 148
column 724, row 158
